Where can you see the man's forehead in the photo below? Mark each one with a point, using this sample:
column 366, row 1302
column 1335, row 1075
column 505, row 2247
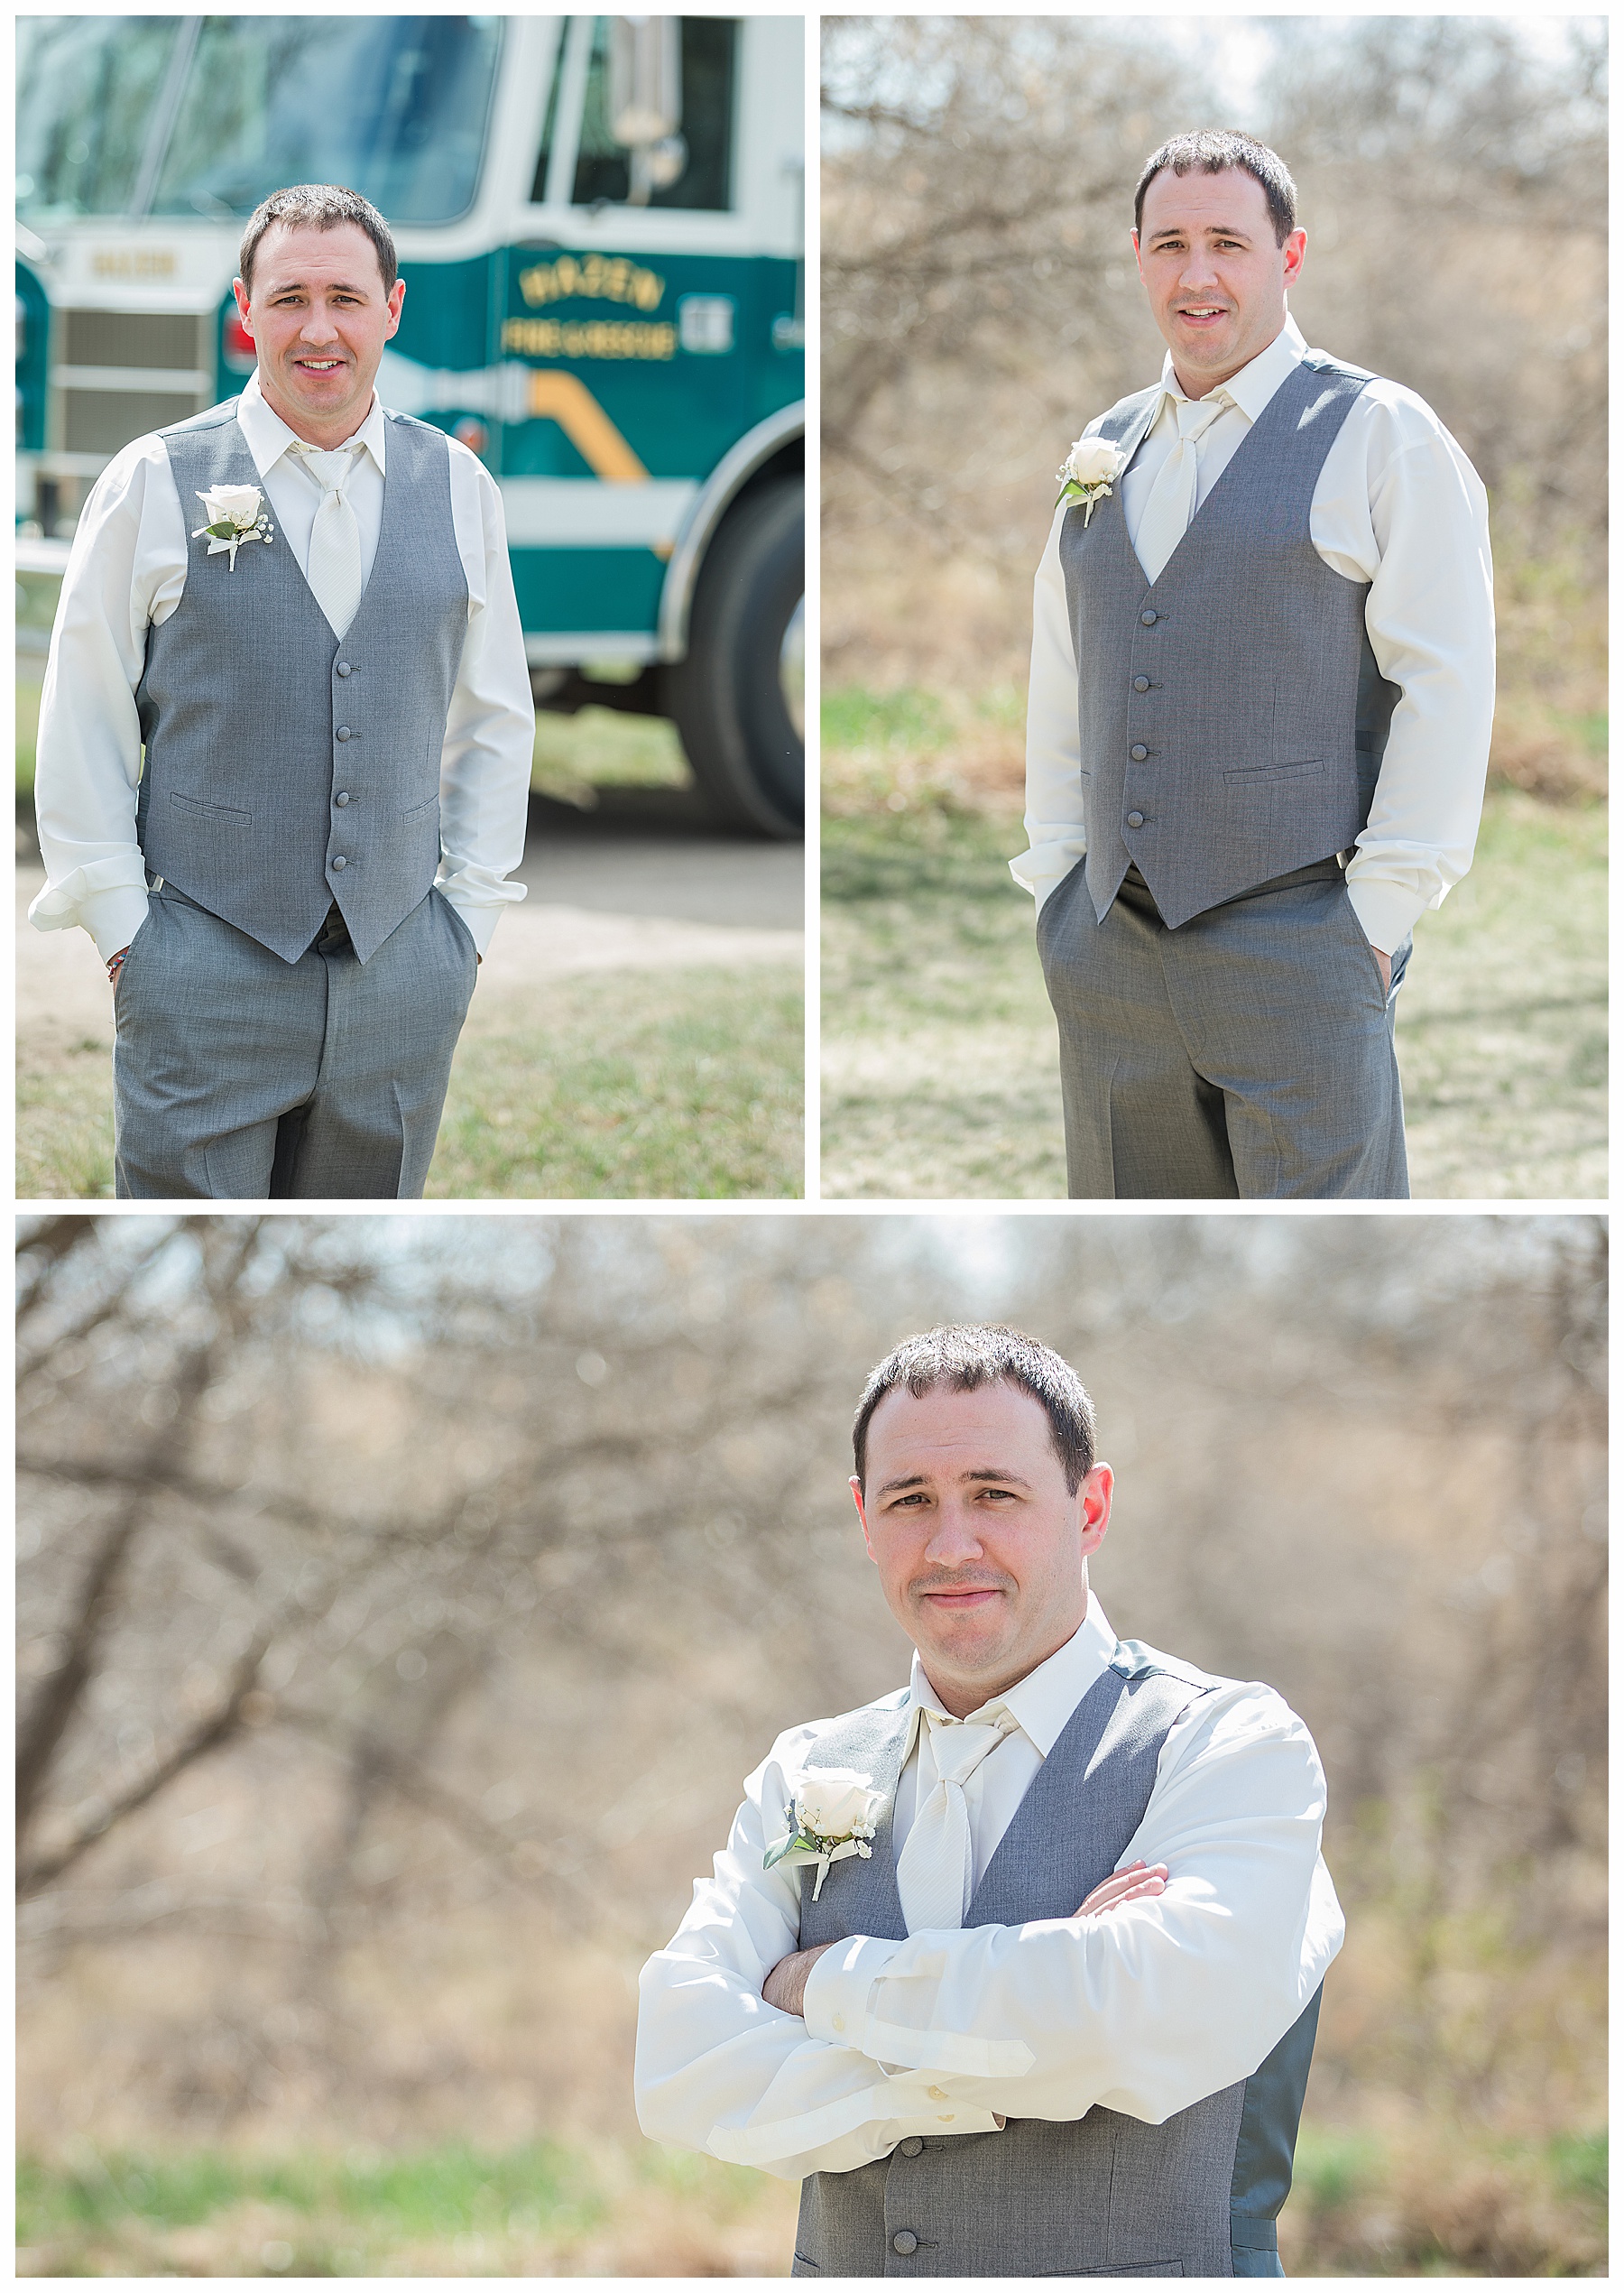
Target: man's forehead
column 299, row 255
column 1233, row 192
column 946, row 1415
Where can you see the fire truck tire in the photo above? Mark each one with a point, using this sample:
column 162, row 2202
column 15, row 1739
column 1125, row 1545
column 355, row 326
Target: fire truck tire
column 727, row 697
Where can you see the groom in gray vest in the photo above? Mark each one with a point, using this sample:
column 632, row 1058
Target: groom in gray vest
column 1018, row 1970
column 1261, row 695
column 299, row 607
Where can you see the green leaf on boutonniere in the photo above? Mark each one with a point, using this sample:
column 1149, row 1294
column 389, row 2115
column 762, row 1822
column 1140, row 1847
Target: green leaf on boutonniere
column 221, row 533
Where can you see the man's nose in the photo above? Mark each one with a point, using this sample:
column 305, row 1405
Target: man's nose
column 956, row 1538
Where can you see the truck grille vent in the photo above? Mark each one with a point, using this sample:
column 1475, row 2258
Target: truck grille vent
column 99, row 422
column 136, row 338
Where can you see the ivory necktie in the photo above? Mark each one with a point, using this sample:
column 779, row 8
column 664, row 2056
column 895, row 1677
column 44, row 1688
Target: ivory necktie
column 334, row 572
column 1171, row 503
column 935, row 1869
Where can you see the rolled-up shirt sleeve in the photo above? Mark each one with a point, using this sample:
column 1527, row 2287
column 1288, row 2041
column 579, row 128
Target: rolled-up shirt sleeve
column 1057, row 839
column 1145, row 2009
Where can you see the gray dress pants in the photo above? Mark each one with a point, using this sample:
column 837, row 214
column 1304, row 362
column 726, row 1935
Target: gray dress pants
column 1248, row 1054
column 238, row 1077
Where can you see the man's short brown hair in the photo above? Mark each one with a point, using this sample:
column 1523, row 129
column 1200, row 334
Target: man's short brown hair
column 963, row 1356
column 323, row 207
column 1213, row 149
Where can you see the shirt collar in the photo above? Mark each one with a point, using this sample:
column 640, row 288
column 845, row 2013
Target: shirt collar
column 1044, row 1701
column 269, row 437
column 1256, row 384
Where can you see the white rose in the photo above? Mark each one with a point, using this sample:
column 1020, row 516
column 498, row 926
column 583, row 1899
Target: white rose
column 1093, row 460
column 236, row 505
column 834, row 1801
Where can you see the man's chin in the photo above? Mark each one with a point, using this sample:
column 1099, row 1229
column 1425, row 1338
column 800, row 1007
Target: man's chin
column 972, row 1637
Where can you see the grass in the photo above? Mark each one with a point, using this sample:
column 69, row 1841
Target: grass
column 634, row 1084
column 940, row 1066
column 1435, row 2201
column 540, row 2210
column 628, row 1085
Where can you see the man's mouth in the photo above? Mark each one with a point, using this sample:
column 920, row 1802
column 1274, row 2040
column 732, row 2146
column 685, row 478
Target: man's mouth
column 319, row 366
column 1202, row 314
column 957, row 1596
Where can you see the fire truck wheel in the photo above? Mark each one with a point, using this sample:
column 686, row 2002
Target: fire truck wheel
column 728, row 696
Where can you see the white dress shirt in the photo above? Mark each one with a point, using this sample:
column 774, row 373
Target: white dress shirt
column 127, row 569
column 1143, row 2010
column 1397, row 504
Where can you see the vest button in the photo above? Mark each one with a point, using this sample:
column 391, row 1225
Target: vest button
column 343, row 668
column 911, row 2147
column 342, row 797
column 342, row 862
column 1141, row 684
column 343, row 732
column 1139, row 752
column 1148, row 619
column 905, row 2242
column 1135, row 820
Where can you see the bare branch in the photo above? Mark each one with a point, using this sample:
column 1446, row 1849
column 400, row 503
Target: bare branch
column 34, row 1877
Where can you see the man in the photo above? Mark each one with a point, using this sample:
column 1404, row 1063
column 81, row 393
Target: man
column 301, row 605
column 1034, row 1990
column 1263, row 656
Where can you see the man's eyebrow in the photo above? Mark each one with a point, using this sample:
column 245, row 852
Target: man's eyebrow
column 295, row 286
column 976, row 1473
column 1215, row 230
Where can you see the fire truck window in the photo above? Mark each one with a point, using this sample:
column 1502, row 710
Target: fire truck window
column 602, row 167
column 88, row 87
column 259, row 111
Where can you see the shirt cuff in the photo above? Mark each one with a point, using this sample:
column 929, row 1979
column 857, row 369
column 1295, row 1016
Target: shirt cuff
column 1387, row 913
column 1045, row 867
column 479, row 914
column 843, row 2011
column 109, row 900
column 835, row 2005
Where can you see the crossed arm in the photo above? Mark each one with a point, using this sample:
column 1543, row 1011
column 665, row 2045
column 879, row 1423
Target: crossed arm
column 1144, row 2004
column 786, row 1987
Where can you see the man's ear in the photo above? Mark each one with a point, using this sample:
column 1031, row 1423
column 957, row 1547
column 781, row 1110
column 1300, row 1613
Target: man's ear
column 857, row 1488
column 1093, row 1507
column 241, row 292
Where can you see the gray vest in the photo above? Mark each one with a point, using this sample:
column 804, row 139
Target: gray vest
column 1231, row 716
column 284, row 770
column 1104, row 2194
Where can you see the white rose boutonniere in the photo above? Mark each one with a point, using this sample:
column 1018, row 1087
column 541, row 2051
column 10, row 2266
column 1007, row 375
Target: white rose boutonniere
column 233, row 514
column 1089, row 472
column 832, row 1816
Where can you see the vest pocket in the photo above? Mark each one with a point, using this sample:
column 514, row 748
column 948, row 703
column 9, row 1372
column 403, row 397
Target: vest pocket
column 1277, row 771
column 1122, row 2269
column 196, row 804
column 421, row 811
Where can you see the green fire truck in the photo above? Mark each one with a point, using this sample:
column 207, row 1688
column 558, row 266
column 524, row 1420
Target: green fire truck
column 600, row 226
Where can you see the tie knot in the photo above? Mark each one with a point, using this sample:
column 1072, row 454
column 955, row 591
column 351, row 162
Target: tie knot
column 959, row 1746
column 1196, row 414
column 330, row 467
